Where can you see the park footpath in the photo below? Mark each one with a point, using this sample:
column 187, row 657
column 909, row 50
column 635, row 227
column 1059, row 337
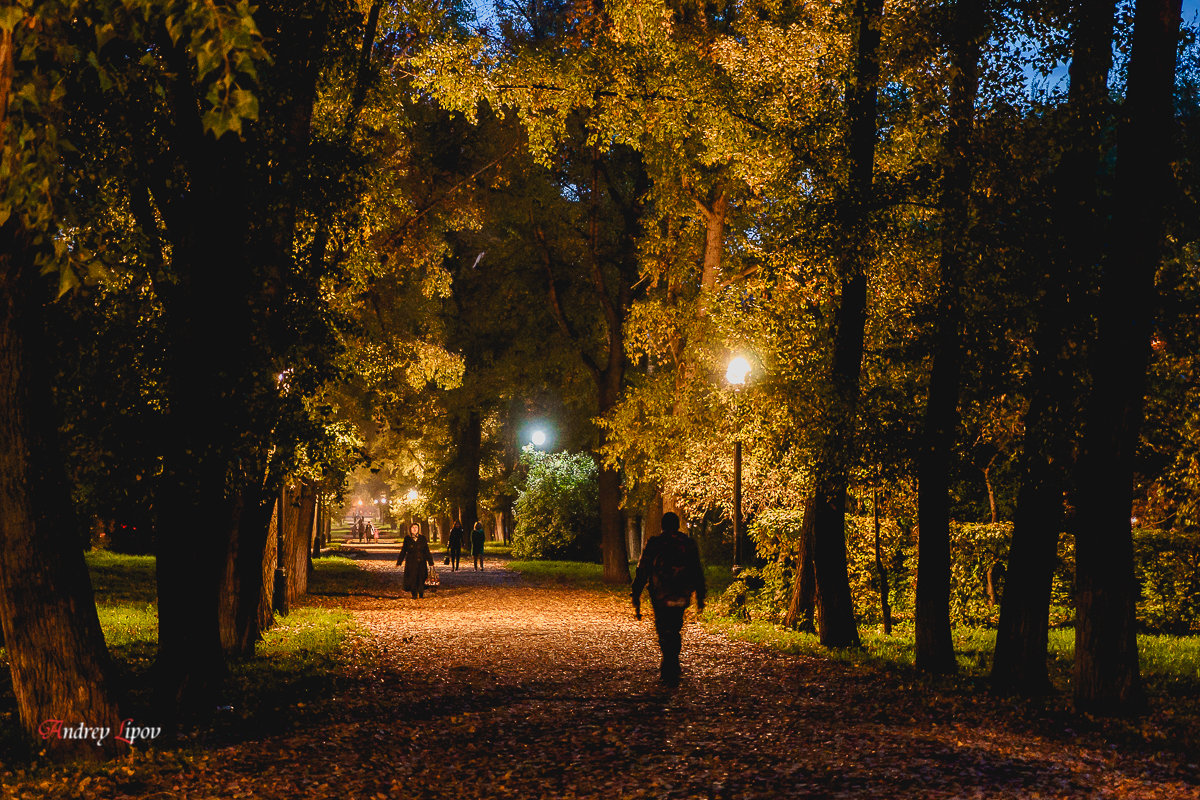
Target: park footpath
column 492, row 687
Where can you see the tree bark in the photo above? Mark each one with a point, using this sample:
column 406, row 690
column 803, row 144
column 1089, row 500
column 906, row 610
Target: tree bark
column 1106, row 656
column 1051, row 420
column 835, row 607
column 56, row 652
column 934, row 643
column 803, row 605
column 244, row 592
column 885, row 605
column 470, row 442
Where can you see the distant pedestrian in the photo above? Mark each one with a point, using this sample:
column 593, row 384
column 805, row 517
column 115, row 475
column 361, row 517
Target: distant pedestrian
column 670, row 564
column 477, row 537
column 455, row 543
column 360, row 528
column 371, row 534
column 416, row 558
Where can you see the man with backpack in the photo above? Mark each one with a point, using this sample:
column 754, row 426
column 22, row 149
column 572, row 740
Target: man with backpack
column 670, row 564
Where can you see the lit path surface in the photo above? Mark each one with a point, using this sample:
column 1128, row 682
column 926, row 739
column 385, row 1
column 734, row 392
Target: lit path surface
column 491, row 687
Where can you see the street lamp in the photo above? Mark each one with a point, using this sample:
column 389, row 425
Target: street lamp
column 539, row 438
column 736, row 374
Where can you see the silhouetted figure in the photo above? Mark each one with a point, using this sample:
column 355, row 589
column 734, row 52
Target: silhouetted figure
column 477, row 537
column 455, row 542
column 670, row 563
column 416, row 558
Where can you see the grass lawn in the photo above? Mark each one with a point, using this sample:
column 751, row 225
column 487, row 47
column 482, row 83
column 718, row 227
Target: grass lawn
column 294, row 659
column 1170, row 664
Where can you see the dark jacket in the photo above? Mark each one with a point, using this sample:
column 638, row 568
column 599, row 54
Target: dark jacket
column 670, row 564
column 414, row 555
column 455, row 539
column 477, row 538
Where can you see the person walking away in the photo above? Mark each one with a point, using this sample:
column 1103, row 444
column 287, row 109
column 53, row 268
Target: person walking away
column 370, row 531
column 477, row 537
column 670, row 566
column 455, row 543
column 416, row 558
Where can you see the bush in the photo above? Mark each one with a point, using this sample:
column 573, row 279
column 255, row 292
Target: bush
column 557, row 510
column 1167, row 566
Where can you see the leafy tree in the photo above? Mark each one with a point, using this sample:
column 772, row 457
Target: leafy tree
column 556, row 507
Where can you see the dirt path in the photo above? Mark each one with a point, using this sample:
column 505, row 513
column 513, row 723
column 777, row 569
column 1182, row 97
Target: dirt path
column 493, row 688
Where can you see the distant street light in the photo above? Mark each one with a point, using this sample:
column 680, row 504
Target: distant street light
column 539, row 438
column 738, row 371
column 736, row 374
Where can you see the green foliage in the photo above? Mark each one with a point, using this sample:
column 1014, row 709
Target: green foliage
column 557, row 506
column 1168, row 572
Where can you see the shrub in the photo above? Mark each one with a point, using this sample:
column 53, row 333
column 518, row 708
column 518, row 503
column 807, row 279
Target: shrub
column 1167, row 566
column 557, row 510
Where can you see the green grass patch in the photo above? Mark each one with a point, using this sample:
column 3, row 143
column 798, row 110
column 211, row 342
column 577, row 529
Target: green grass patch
column 575, row 574
column 1169, row 663
column 588, row 576
column 306, row 639
column 119, row 578
column 334, row 574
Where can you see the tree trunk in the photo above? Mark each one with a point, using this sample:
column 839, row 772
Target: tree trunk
column 1051, row 420
column 469, row 444
column 993, row 513
column 934, row 642
column 242, row 622
column 1106, row 656
column 612, row 535
column 56, row 652
column 803, row 605
column 881, row 571
column 835, row 606
column 303, row 500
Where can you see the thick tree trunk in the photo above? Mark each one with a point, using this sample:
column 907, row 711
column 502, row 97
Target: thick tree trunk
column 1106, row 656
column 470, row 442
column 1051, row 420
column 57, row 657
column 835, row 607
column 242, row 596
column 302, row 500
column 612, row 535
column 934, row 643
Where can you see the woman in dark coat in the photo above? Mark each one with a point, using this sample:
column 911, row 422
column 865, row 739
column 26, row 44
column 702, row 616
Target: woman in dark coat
column 415, row 555
column 477, row 536
column 455, row 543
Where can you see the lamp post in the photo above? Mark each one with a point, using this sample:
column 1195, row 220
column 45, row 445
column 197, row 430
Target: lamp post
column 538, row 438
column 736, row 374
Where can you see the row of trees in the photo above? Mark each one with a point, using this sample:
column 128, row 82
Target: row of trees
column 310, row 236
column 926, row 258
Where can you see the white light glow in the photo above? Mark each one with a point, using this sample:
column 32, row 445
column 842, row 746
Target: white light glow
column 739, row 370
column 539, row 438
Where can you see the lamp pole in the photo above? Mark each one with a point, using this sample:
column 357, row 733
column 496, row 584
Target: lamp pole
column 739, row 370
column 737, row 505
